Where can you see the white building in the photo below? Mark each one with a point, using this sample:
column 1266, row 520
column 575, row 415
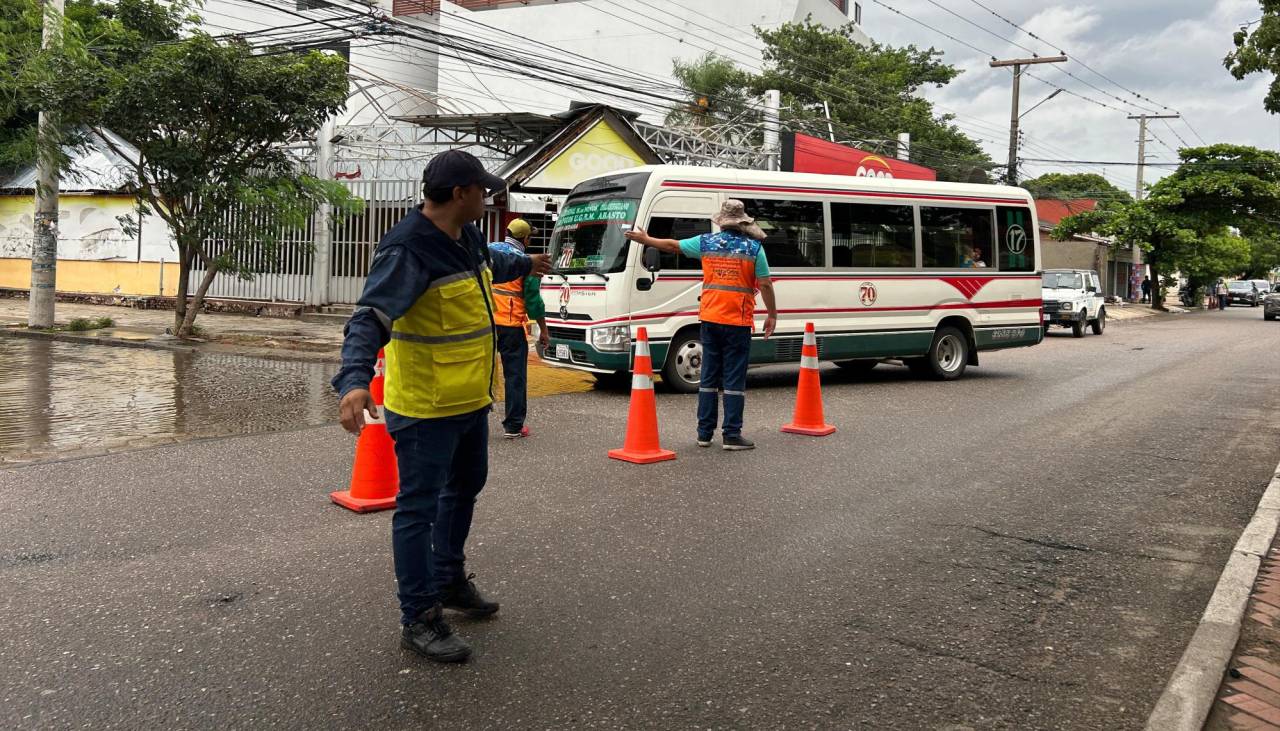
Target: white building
column 641, row 36
column 405, row 77
column 389, row 78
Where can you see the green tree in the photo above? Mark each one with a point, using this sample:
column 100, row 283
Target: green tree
column 210, row 121
column 1190, row 220
column 717, row 90
column 1076, row 186
column 114, row 33
column 872, row 92
column 1258, row 51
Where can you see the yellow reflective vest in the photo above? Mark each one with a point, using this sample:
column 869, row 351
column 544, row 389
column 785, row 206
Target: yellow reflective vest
column 440, row 359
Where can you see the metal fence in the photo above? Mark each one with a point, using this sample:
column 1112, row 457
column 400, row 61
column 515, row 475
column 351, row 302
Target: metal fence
column 355, row 237
column 285, row 272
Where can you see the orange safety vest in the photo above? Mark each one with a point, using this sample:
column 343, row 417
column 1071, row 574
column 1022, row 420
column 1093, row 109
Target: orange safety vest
column 508, row 299
column 729, row 286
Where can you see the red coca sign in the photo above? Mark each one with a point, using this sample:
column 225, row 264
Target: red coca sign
column 805, row 154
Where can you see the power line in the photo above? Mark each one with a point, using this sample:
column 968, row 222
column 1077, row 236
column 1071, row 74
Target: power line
column 1059, row 47
column 826, row 69
column 984, row 29
column 892, row 9
column 1212, row 164
column 1175, row 133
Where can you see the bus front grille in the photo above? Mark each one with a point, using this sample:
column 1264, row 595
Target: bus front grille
column 567, row 333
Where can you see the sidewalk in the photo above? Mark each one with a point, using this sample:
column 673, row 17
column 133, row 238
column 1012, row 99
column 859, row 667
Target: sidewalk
column 1124, row 311
column 1250, row 694
column 243, row 334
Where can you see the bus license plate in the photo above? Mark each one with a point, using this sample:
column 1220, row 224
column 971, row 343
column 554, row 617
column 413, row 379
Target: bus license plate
column 562, row 352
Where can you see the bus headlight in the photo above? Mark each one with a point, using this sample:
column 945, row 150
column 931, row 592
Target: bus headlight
column 614, row 338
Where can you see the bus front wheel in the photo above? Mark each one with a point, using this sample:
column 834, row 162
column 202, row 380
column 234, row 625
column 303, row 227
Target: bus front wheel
column 682, row 371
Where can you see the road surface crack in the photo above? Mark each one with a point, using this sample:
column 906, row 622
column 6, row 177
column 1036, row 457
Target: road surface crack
column 989, row 667
column 1059, row 545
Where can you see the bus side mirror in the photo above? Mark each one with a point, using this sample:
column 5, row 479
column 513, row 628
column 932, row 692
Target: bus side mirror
column 652, row 260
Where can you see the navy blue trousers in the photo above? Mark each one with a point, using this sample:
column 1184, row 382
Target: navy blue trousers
column 443, row 467
column 726, row 349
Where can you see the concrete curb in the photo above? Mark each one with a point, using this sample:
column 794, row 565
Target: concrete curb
column 1189, row 696
column 177, row 345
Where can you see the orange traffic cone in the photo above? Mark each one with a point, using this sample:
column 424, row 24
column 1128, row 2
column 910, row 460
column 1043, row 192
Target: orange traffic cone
column 808, row 418
column 375, row 477
column 641, row 445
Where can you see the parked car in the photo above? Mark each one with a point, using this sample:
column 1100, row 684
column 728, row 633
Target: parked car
column 1073, row 298
column 1271, row 304
column 1243, row 291
column 1263, row 287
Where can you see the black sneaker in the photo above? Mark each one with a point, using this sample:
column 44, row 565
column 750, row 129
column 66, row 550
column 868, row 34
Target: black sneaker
column 704, row 441
column 738, row 444
column 431, row 637
column 463, row 596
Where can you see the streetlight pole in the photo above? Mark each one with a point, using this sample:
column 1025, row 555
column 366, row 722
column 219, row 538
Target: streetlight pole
column 1011, row 176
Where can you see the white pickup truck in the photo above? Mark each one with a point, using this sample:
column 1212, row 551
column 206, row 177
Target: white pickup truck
column 1073, row 298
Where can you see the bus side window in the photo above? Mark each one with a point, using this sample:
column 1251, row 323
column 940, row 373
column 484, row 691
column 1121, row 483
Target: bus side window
column 872, row 235
column 949, row 235
column 795, row 234
column 666, row 227
column 1016, row 239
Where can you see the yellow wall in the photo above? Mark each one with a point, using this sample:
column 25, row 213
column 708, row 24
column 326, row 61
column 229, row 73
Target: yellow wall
column 97, row 277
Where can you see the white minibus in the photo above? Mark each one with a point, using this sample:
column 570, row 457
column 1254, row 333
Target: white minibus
column 926, row 272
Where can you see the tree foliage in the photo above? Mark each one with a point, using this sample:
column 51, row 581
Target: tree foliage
column 1208, row 219
column 871, row 91
column 718, row 91
column 1257, row 50
column 209, row 120
column 1076, row 186
column 109, row 34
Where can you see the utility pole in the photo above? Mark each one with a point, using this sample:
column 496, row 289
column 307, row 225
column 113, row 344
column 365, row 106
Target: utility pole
column 44, row 244
column 772, row 108
column 904, row 146
column 1138, row 195
column 1142, row 146
column 1017, row 63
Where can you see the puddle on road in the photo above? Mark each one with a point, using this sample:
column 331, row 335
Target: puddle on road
column 60, row 398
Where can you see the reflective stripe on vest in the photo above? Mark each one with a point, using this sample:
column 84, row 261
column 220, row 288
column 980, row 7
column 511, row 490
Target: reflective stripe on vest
column 509, row 308
column 440, row 358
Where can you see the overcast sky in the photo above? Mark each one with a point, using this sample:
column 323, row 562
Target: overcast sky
column 1168, row 50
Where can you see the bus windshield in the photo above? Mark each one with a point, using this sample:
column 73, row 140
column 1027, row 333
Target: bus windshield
column 588, row 235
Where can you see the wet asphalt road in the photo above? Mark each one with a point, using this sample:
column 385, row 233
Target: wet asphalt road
column 63, row 398
column 1030, row 547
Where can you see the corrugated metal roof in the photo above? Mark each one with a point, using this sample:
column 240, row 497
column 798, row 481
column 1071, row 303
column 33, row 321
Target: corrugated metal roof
column 97, row 169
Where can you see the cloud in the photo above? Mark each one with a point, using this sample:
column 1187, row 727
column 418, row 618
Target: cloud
column 1169, row 51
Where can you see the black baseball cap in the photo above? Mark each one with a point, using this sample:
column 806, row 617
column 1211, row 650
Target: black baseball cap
column 457, row 168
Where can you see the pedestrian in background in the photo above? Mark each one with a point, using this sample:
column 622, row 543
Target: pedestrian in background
column 516, row 303
column 1146, row 289
column 428, row 300
column 734, row 268
column 1220, row 289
